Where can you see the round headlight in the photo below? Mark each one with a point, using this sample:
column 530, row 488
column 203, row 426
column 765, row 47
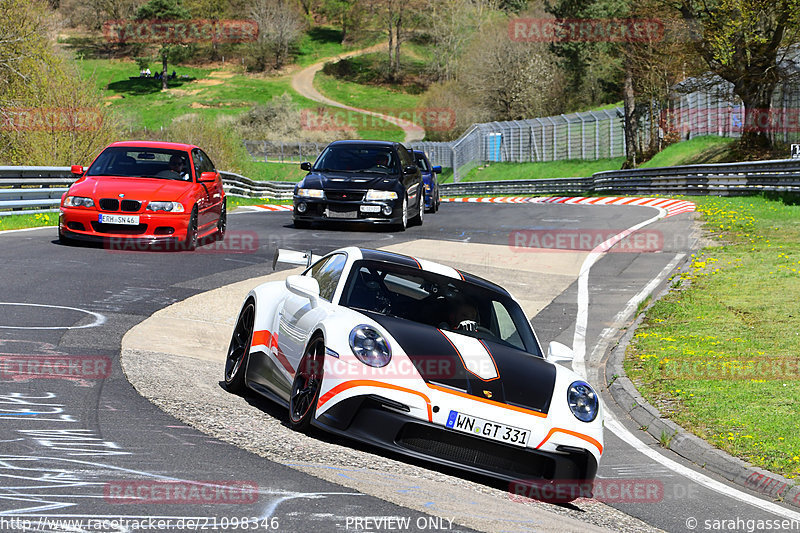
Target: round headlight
column 369, row 346
column 583, row 401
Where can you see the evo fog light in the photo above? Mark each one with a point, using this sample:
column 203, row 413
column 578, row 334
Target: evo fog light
column 373, row 195
column 583, row 401
column 169, row 207
column 302, row 207
column 369, row 346
column 387, row 210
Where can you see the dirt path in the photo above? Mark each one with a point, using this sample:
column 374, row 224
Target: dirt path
column 303, row 83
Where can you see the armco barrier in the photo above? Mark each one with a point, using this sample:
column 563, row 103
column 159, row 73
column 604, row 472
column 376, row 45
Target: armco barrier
column 32, row 190
column 39, row 189
column 724, row 179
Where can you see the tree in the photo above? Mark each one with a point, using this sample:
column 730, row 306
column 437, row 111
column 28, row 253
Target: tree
column 452, row 23
column 279, row 26
column 398, row 17
column 746, row 43
column 165, row 10
column 343, row 12
column 512, row 80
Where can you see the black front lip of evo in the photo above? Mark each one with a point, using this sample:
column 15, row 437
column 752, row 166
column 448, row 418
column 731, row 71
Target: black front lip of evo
column 317, row 206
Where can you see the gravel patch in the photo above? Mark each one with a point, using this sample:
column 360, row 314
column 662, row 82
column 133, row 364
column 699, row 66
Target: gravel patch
column 190, row 389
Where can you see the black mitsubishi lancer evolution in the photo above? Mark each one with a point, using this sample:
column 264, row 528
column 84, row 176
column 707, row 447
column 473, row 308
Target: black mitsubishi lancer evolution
column 360, row 181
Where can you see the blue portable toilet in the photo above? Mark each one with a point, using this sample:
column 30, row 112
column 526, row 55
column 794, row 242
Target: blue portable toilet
column 495, row 140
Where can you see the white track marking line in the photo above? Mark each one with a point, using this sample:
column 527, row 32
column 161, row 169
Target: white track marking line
column 98, row 318
column 611, row 421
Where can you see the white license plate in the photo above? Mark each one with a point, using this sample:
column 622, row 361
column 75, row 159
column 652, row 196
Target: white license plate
column 370, row 209
column 127, row 220
column 488, row 429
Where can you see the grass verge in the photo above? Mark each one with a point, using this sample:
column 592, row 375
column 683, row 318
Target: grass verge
column 545, row 169
column 705, row 149
column 718, row 355
column 10, row 222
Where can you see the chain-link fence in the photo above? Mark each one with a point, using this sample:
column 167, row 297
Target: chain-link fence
column 587, row 135
column 708, row 106
column 283, row 152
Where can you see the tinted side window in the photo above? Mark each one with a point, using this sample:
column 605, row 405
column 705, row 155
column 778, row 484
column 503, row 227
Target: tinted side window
column 327, row 273
column 405, row 158
column 202, row 163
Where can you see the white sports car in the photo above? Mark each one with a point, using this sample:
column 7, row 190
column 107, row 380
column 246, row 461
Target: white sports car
column 418, row 358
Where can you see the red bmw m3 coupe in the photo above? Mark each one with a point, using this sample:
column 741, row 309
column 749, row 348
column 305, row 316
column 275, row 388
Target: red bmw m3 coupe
column 145, row 192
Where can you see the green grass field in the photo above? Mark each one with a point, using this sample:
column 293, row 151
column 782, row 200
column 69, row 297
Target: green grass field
column 140, row 103
column 547, row 169
column 718, row 355
column 705, row 149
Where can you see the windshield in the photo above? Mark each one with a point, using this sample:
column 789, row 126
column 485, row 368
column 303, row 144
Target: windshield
column 419, row 159
column 439, row 301
column 132, row 162
column 354, row 158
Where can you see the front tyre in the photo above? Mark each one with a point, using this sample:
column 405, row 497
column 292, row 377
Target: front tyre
column 190, row 243
column 306, row 386
column 417, row 220
column 239, row 349
column 404, row 215
column 222, row 222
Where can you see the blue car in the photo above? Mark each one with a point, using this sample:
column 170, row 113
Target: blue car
column 432, row 199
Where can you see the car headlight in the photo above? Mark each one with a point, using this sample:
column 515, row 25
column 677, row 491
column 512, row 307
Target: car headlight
column 369, row 346
column 170, row 207
column 583, row 401
column 78, row 201
column 373, row 195
column 311, row 193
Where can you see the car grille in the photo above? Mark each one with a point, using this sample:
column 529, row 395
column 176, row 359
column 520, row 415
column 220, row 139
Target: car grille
column 467, row 450
column 336, row 211
column 131, row 205
column 119, row 229
column 109, row 204
column 344, row 196
column 112, row 204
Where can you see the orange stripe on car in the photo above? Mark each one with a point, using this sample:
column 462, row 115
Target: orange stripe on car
column 587, row 438
column 484, row 400
column 371, row 383
column 270, row 340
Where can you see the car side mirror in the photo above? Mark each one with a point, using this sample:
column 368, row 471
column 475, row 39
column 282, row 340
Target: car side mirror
column 303, row 286
column 205, row 177
column 410, row 169
column 437, row 169
column 76, row 170
column 305, row 165
column 557, row 352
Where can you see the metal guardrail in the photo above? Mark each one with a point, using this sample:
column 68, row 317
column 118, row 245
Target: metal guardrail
column 723, row 179
column 31, row 190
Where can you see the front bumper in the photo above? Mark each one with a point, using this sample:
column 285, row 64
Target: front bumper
column 324, row 210
column 82, row 224
column 378, row 421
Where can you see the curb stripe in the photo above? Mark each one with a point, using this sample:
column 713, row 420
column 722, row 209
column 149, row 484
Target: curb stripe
column 671, row 205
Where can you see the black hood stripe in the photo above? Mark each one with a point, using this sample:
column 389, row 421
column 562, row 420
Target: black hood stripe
column 526, row 382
